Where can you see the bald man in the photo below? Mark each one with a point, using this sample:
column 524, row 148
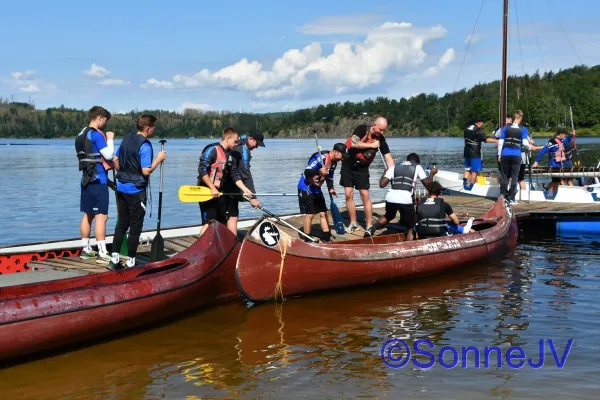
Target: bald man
column 362, row 148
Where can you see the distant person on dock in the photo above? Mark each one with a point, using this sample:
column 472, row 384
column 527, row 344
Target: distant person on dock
column 401, row 196
column 95, row 151
column 134, row 162
column 513, row 139
column 431, row 215
column 240, row 179
column 311, row 200
column 474, row 137
column 213, row 169
column 555, row 148
column 362, row 148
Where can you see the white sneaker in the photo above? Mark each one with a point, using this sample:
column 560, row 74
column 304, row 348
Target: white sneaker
column 352, row 227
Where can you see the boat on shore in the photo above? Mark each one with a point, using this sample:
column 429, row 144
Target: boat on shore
column 291, row 267
column 40, row 316
column 452, row 182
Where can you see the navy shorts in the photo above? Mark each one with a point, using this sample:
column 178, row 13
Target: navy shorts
column 94, row 199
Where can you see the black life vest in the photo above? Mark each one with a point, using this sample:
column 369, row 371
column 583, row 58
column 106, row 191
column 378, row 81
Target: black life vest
column 88, row 160
column 512, row 136
column 130, row 164
column 431, row 216
column 404, row 176
column 472, row 145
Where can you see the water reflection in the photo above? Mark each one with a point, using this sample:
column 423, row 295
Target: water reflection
column 328, row 346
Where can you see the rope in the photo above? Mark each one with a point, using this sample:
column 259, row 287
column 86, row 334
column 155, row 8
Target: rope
column 536, row 37
column 279, row 285
column 565, row 33
column 522, row 64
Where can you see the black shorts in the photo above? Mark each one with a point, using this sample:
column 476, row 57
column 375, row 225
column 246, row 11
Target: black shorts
column 522, row 173
column 94, row 199
column 311, row 204
column 356, row 178
column 408, row 216
column 219, row 209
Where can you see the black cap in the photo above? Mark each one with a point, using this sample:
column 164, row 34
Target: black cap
column 259, row 137
column 341, row 147
column 479, row 119
column 562, row 130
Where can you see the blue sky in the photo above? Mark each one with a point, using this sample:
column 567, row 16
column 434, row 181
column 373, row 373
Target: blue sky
column 271, row 55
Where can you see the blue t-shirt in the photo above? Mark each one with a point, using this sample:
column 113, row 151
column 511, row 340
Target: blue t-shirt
column 145, row 153
column 98, row 143
column 507, row 151
column 315, row 163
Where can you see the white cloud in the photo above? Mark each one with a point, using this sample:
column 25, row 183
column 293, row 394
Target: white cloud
column 260, row 105
column 473, row 38
column 26, row 82
column 113, row 82
column 96, row 71
column 194, row 106
column 446, row 59
column 342, row 24
column 388, row 51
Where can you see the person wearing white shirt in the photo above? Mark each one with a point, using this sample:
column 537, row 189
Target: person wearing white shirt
column 401, row 196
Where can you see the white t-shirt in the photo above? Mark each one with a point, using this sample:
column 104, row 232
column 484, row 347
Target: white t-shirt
column 402, row 196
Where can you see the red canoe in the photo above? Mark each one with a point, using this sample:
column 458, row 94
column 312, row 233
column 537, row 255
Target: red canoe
column 289, row 266
column 41, row 316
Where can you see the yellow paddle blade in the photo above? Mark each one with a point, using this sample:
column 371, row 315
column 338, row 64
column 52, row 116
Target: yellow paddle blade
column 194, row 194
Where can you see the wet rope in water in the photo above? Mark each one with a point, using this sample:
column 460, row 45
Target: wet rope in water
column 283, row 252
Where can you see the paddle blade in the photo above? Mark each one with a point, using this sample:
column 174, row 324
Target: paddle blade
column 337, row 219
column 576, row 158
column 157, row 252
column 194, row 194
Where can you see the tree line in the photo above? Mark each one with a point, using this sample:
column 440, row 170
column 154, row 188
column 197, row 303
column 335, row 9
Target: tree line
column 544, row 99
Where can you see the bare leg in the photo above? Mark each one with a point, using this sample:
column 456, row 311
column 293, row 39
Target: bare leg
column 324, row 222
column 522, row 185
column 410, row 234
column 473, row 177
column 100, row 227
column 467, row 174
column 570, row 182
column 364, row 195
column 350, row 204
column 232, row 224
column 85, row 227
column 308, row 222
column 203, row 229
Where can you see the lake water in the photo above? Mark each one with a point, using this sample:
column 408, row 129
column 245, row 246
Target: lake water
column 39, row 180
column 320, row 346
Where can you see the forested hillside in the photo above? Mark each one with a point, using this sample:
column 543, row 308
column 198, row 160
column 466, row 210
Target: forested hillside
column 543, row 98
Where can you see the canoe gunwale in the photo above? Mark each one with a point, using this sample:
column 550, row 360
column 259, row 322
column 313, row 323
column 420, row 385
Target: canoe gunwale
column 130, row 280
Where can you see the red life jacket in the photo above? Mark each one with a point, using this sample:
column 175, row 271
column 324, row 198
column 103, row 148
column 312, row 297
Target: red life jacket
column 559, row 155
column 217, row 169
column 364, row 156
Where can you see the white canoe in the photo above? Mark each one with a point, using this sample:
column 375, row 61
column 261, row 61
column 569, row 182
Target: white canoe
column 452, row 182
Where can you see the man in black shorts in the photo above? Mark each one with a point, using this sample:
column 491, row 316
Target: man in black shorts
column 213, row 170
column 400, row 198
column 362, row 148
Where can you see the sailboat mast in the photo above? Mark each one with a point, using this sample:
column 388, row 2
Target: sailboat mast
column 504, row 60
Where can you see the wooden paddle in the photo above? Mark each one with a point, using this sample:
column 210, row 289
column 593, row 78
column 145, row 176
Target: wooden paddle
column 335, row 212
column 200, row 194
column 575, row 156
column 123, row 249
column 157, row 251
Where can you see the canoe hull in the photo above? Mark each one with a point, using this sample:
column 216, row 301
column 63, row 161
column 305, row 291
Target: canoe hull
column 309, row 267
column 44, row 316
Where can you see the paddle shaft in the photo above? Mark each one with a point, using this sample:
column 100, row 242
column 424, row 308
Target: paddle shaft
column 270, row 214
column 572, row 126
column 160, row 188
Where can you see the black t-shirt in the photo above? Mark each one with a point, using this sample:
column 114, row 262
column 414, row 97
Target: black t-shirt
column 361, row 131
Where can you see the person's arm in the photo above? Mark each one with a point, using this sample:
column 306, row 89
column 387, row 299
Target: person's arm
column 544, row 150
column 387, row 176
column 105, row 147
column 501, row 142
column 116, row 159
column 206, row 160
column 387, row 154
column 148, row 166
column 357, row 135
column 422, row 176
column 329, row 180
column 568, row 138
column 450, row 213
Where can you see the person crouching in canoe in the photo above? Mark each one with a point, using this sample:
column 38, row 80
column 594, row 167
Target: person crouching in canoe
column 401, row 196
column 431, row 215
column 213, row 170
column 311, row 201
column 134, row 162
column 240, row 179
